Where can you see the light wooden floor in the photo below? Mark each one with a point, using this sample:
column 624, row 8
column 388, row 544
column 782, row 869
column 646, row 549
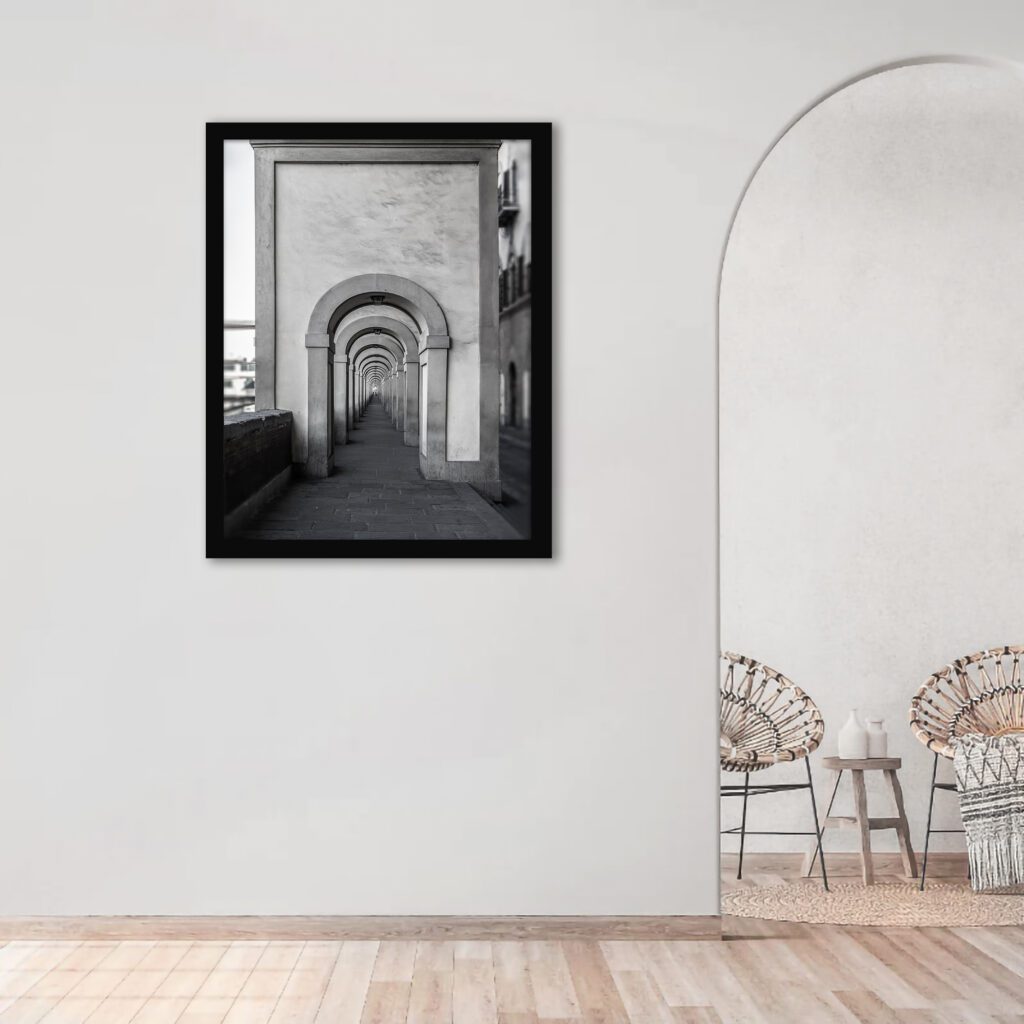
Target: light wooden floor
column 761, row 973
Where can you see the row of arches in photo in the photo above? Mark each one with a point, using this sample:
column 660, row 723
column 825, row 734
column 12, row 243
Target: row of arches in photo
column 385, row 334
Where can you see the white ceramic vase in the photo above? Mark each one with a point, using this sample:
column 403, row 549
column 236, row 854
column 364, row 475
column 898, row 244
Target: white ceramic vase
column 853, row 739
column 878, row 739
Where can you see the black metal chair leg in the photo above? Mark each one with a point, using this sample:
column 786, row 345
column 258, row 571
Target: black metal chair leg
column 743, row 822
column 828, row 812
column 817, row 825
column 928, row 832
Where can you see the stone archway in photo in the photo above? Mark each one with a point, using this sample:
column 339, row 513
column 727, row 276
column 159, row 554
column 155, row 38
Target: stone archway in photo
column 410, row 224
column 431, row 347
column 354, row 335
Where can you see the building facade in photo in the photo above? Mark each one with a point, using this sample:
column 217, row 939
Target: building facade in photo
column 514, row 257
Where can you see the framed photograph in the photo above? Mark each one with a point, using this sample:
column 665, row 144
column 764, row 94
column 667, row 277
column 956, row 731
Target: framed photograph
column 379, row 340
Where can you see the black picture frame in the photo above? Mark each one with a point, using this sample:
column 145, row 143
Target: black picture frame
column 539, row 544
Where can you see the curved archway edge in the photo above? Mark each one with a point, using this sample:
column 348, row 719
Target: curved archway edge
column 351, row 339
column 347, row 403
column 367, row 289
column 346, row 336
column 332, row 405
column 996, row 63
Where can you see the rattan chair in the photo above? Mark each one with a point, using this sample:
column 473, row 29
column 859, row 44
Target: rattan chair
column 765, row 719
column 980, row 693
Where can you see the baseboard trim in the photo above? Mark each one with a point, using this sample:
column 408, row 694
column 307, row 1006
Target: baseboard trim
column 496, row 929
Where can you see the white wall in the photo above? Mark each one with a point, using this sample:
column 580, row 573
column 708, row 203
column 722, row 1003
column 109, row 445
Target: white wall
column 182, row 736
column 417, row 220
column 871, row 423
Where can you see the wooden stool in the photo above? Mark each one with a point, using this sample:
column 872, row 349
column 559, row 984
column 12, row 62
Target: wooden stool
column 860, row 820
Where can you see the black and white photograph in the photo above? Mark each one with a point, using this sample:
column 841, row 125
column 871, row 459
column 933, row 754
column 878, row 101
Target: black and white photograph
column 379, row 350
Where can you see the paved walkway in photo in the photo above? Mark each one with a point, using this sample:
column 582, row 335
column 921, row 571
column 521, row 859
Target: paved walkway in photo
column 516, row 482
column 377, row 492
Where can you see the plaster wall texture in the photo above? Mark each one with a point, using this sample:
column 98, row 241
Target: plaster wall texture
column 194, row 737
column 420, row 221
column 872, row 414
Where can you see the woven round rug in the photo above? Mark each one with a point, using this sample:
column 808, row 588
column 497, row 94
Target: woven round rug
column 892, row 904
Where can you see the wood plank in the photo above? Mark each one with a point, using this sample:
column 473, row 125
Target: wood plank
column 785, row 866
column 512, row 983
column 241, row 956
column 28, row 1010
column 959, row 974
column 265, row 984
column 696, row 1015
column 862, row 764
column 985, row 971
column 349, row 983
column 905, row 960
column 860, row 798
column 592, row 981
column 676, row 978
column 181, row 984
column 874, row 974
column 387, row 1002
column 903, row 828
column 203, row 956
column 280, row 956
column 206, row 1010
column 868, row 1007
column 116, row 1011
column 154, row 929
column 430, row 1001
column 251, row 1010
column 73, row 1010
column 474, row 1000
column 160, row 1011
column 640, row 996
column 554, row 994
column 395, row 961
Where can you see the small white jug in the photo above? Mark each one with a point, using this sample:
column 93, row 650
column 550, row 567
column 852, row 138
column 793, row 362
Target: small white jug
column 878, row 740
column 853, row 739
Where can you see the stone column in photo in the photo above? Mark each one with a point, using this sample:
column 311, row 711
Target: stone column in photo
column 434, row 404
column 340, row 399
column 400, row 404
column 411, row 433
column 350, row 404
column 319, row 408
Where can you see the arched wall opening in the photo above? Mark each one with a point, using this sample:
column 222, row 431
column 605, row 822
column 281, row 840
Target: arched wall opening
column 326, row 415
column 440, row 271
column 391, row 329
column 869, row 352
